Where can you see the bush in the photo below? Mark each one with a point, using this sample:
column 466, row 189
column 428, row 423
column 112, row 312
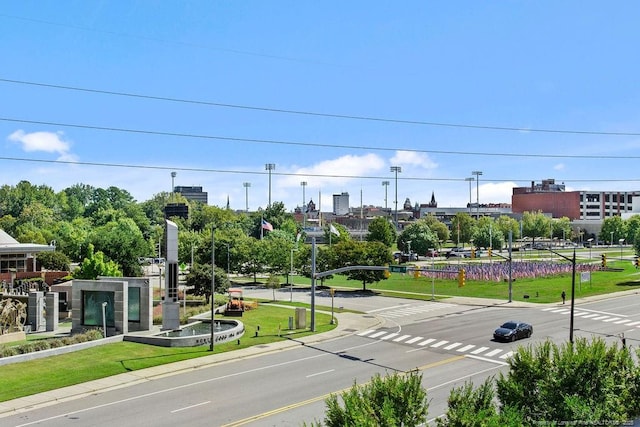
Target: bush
column 6, row 351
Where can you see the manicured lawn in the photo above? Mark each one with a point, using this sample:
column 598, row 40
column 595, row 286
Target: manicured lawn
column 36, row 376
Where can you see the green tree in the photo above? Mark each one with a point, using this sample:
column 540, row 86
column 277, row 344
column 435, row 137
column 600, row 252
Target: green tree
column 96, row 264
column 487, row 235
column 561, row 228
column 381, row 230
column 462, row 228
column 199, row 281
column 122, row 242
column 633, row 225
column 355, row 253
column 437, row 227
column 394, row 400
column 505, row 224
column 615, row 225
column 55, row 260
column 332, row 238
column 535, row 224
column 273, row 283
column 420, row 235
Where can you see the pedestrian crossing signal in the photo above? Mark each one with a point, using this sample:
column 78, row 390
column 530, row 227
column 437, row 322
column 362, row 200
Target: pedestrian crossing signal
column 461, row 277
column 604, row 260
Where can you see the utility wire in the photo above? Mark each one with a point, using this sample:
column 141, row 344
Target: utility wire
column 231, row 171
column 317, row 145
column 317, row 114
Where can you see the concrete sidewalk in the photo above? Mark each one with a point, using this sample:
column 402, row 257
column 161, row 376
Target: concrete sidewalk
column 348, row 324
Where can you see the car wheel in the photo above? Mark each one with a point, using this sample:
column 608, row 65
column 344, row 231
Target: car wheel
column 529, row 334
column 513, row 337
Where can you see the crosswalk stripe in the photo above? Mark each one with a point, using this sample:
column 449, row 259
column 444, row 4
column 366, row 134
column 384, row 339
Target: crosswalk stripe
column 452, row 346
column 377, row 334
column 391, row 335
column 479, row 350
column 429, row 341
column 623, row 321
column 362, row 334
column 634, row 323
column 416, row 339
column 402, row 338
column 493, row 352
column 506, row 355
column 466, row 348
column 611, row 319
column 579, row 314
column 600, row 317
column 589, row 316
column 439, row 344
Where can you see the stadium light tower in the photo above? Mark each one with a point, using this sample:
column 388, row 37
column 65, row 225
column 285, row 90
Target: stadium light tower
column 246, row 186
column 385, row 184
column 470, row 179
column 396, row 169
column 269, row 167
column 477, row 174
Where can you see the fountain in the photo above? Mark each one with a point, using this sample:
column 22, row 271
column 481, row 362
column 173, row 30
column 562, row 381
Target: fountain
column 193, row 334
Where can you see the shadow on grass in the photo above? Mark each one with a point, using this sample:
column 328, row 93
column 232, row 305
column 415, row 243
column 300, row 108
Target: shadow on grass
column 634, row 283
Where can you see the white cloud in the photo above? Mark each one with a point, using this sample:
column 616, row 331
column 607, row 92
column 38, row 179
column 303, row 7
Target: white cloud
column 403, row 158
column 49, row 142
column 496, row 192
column 559, row 167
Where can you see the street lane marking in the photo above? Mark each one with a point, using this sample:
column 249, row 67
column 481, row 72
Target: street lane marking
column 423, row 343
column 622, row 322
column 600, row 317
column 377, row 334
column 452, row 346
column 386, row 337
column 466, row 348
column 493, row 352
column 506, row 355
column 634, row 323
column 320, row 373
column 190, row 407
column 589, row 316
column 402, row 338
column 416, row 339
column 611, row 319
column 362, row 334
column 439, row 344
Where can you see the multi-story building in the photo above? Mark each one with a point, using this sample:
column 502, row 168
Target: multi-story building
column 552, row 198
column 193, row 194
column 341, row 204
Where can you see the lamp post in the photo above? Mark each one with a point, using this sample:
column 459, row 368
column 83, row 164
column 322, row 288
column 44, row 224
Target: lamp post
column 620, row 242
column 590, row 244
column 611, row 241
column 213, row 283
column 477, row 174
column 269, row 167
column 470, row 180
column 291, row 274
column 304, row 208
column 396, row 169
column 573, row 287
column 246, row 186
column 385, row 184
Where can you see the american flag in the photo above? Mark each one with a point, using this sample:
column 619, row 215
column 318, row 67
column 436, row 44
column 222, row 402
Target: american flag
column 266, row 225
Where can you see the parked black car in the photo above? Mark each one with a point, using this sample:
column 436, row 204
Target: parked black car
column 512, row 330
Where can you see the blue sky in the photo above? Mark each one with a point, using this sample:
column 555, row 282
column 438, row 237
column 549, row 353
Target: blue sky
column 121, row 93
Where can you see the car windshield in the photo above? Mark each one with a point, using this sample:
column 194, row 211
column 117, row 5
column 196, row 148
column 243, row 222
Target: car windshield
column 509, row 325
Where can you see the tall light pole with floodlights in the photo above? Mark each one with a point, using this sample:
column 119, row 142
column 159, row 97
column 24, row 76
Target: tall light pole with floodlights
column 246, row 186
column 385, row 184
column 173, row 187
column 470, row 180
column 304, row 208
column 269, row 167
column 477, row 174
column 396, row 169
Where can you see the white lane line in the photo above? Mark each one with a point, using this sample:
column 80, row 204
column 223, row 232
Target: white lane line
column 429, row 341
column 439, row 344
column 600, row 317
column 479, row 350
column 320, row 373
column 611, row 319
column 402, row 338
column 494, row 352
column 189, row 407
column 452, row 346
column 603, row 312
column 466, row 348
column 415, row 339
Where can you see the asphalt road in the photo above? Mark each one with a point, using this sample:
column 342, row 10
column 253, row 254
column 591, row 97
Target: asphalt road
column 449, row 343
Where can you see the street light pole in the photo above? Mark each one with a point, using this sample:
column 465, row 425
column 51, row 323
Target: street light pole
column 470, row 180
column 304, row 208
column 396, row 169
column 246, row 186
column 269, row 167
column 477, row 174
column 213, row 284
column 573, row 287
column 173, row 187
column 385, row 184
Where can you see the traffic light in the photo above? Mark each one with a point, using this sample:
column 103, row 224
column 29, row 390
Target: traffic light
column 604, row 260
column 461, row 277
column 636, row 262
column 489, row 250
column 473, row 253
column 387, row 274
column 416, row 273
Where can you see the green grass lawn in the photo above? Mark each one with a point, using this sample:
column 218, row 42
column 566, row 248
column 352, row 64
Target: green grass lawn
column 36, row 376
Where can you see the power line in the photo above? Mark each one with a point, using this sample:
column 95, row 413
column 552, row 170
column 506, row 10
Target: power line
column 317, row 114
column 316, row 145
column 244, row 172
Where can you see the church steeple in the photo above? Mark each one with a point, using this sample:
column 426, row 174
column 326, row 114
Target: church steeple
column 433, row 203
